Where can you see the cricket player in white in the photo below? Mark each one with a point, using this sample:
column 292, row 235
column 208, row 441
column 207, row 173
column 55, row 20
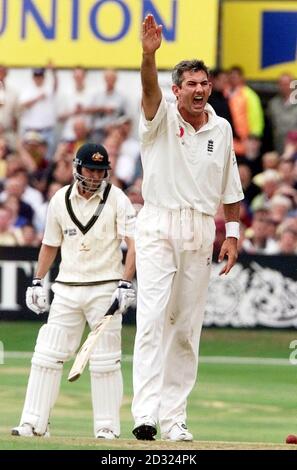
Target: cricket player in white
column 88, row 220
column 189, row 169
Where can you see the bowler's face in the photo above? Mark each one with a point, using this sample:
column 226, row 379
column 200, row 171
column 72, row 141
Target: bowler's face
column 193, row 94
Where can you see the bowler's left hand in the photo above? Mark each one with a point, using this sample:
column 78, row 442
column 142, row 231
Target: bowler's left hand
column 229, row 249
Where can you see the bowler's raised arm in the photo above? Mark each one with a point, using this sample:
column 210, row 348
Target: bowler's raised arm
column 151, row 41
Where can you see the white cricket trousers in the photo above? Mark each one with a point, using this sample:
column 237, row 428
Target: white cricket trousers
column 173, row 259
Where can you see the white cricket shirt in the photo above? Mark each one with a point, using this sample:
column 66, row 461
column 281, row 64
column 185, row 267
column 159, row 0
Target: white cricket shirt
column 95, row 255
column 184, row 168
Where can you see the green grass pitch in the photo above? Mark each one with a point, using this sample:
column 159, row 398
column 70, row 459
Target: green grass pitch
column 233, row 405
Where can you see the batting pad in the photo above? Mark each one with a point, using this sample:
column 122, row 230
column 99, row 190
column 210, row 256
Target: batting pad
column 45, row 377
column 106, row 381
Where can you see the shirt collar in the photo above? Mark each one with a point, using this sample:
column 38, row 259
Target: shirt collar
column 212, row 118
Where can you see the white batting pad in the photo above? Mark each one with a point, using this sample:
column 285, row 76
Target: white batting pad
column 45, row 377
column 106, row 380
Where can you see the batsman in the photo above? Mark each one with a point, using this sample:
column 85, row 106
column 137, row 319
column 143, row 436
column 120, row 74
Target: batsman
column 88, row 220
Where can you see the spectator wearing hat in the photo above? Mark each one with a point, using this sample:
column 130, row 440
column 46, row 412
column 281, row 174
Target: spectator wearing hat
column 33, row 151
column 269, row 182
column 38, row 107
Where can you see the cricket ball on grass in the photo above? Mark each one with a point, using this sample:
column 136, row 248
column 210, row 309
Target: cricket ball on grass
column 291, row 439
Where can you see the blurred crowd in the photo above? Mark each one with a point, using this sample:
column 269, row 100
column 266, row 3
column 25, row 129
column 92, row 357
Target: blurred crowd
column 41, row 127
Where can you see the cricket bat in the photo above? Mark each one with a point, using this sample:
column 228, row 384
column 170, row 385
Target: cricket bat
column 86, row 349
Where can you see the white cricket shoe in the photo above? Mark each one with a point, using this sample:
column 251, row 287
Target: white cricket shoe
column 27, row 430
column 178, row 432
column 106, row 434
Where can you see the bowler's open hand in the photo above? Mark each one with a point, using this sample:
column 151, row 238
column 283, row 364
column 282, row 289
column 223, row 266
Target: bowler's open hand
column 229, row 249
column 151, row 35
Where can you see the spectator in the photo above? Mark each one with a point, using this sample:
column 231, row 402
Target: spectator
column 217, row 99
column 4, row 152
column 246, row 110
column 269, row 182
column 286, row 171
column 33, row 150
column 108, row 106
column 129, row 153
column 257, row 239
column 9, row 236
column 270, row 161
column 253, row 154
column 38, row 110
column 14, row 204
column 288, row 242
column 14, row 163
column 81, row 132
column 250, row 189
column 8, row 109
column 282, row 112
column 74, row 104
column 15, row 185
column 30, row 236
column 280, row 206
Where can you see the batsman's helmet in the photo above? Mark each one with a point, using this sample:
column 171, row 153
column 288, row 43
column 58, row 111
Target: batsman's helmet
column 94, row 157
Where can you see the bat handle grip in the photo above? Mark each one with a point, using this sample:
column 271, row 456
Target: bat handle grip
column 113, row 308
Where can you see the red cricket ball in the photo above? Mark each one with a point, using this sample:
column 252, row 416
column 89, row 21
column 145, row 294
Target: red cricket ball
column 291, row 439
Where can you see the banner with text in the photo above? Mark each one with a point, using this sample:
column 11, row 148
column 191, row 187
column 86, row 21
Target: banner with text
column 259, row 291
column 104, row 33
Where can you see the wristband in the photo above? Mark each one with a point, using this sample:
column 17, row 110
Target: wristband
column 36, row 281
column 232, row 230
column 125, row 284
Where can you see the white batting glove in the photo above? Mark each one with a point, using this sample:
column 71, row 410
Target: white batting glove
column 126, row 295
column 35, row 297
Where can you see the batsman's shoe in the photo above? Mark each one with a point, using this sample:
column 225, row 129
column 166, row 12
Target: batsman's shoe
column 26, row 430
column 178, row 432
column 106, row 434
column 145, row 431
